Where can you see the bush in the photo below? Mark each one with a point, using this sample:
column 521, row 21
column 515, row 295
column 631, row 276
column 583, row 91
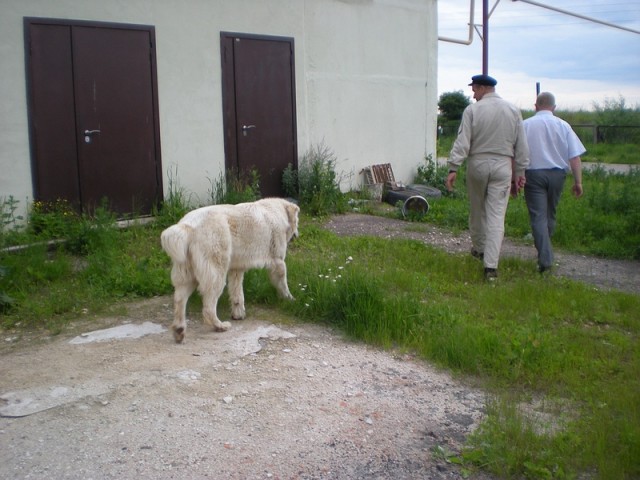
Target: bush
column 316, row 184
column 430, row 173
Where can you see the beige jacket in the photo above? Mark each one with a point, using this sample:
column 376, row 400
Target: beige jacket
column 491, row 127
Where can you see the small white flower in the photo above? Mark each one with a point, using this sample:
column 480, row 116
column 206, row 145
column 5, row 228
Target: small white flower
column 306, row 305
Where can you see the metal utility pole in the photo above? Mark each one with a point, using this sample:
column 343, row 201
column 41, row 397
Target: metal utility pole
column 485, row 37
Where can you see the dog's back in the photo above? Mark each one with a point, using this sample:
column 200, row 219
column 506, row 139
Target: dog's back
column 212, row 243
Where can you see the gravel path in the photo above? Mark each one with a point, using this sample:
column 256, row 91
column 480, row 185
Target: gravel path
column 603, row 273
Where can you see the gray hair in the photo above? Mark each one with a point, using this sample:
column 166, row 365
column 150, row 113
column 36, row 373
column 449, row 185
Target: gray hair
column 546, row 100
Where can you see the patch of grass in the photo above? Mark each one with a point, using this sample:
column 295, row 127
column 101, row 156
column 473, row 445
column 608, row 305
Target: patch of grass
column 526, row 336
column 444, row 144
column 604, row 222
column 627, row 153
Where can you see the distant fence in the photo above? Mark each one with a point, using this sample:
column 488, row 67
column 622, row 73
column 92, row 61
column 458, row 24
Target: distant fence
column 587, row 133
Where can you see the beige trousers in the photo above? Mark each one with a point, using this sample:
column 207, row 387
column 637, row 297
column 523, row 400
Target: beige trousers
column 488, row 187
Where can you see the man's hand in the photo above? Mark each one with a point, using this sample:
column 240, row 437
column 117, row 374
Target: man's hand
column 577, row 190
column 517, row 184
column 451, row 180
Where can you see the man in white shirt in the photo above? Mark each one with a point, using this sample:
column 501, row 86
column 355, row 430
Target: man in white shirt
column 491, row 137
column 554, row 150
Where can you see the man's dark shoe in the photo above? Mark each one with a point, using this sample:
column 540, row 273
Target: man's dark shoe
column 477, row 254
column 490, row 274
column 543, row 269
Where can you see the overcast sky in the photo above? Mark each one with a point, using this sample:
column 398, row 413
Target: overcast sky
column 581, row 62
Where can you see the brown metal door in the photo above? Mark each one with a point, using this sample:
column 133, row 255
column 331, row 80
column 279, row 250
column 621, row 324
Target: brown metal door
column 259, row 107
column 111, row 139
column 52, row 114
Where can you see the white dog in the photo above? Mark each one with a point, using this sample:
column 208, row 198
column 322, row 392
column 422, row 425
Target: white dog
column 212, row 243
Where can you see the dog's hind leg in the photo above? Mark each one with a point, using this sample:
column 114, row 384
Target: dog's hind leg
column 210, row 263
column 210, row 305
column 210, row 285
column 184, row 285
column 278, row 277
column 236, row 294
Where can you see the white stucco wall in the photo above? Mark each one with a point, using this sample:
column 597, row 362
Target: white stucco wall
column 365, row 79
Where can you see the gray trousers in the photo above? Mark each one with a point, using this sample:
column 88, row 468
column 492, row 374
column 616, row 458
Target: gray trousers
column 542, row 193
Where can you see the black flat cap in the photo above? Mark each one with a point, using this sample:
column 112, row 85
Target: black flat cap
column 483, row 80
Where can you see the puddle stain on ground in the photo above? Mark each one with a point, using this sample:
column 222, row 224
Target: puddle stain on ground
column 33, row 400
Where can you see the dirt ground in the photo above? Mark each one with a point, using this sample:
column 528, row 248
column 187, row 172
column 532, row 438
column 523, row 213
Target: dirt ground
column 269, row 399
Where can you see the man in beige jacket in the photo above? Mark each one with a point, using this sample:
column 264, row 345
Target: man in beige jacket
column 492, row 138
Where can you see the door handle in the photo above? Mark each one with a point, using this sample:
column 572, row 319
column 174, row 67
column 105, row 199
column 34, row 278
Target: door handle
column 88, row 134
column 245, row 128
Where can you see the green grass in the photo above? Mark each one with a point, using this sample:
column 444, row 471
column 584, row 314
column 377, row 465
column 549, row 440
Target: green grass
column 605, row 221
column 562, row 349
column 525, row 337
column 606, row 153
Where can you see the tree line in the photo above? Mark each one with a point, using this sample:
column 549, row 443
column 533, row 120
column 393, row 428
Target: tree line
column 608, row 116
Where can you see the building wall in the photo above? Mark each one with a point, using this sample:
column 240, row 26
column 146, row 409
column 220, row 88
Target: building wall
column 365, row 80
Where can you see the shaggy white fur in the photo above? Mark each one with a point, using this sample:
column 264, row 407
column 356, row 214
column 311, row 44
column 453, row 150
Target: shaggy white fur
column 211, row 244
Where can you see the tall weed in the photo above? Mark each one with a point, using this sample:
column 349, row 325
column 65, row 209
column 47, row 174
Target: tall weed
column 316, row 184
column 176, row 204
column 233, row 187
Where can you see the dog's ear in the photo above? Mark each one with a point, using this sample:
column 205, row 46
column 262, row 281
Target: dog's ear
column 292, row 214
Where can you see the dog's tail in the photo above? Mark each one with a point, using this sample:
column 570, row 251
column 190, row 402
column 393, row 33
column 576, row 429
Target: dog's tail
column 175, row 241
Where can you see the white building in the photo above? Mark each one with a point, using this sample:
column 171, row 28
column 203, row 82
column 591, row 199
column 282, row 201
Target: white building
column 124, row 99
